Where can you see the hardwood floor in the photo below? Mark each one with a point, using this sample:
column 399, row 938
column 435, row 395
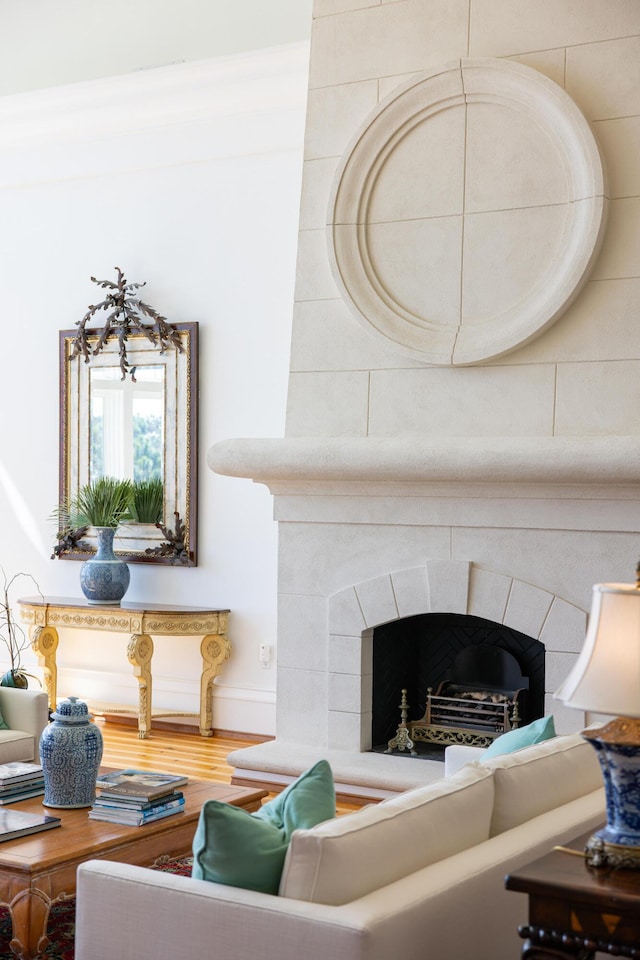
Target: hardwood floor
column 202, row 757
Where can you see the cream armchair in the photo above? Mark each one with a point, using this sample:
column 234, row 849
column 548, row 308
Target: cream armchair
column 26, row 713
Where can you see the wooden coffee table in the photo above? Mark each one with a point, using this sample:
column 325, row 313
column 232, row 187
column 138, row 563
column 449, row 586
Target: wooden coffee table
column 38, row 870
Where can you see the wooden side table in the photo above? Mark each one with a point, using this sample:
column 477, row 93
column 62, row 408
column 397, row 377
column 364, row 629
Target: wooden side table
column 142, row 621
column 577, row 911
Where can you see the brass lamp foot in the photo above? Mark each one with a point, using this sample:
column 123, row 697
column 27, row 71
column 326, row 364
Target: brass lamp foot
column 601, row 853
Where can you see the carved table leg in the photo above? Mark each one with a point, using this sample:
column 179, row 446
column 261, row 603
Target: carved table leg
column 29, row 912
column 216, row 650
column 140, row 652
column 44, row 643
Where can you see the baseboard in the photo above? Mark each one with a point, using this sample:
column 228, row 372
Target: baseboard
column 174, row 723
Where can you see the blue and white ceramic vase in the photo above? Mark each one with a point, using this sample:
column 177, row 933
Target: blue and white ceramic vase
column 105, row 577
column 70, row 754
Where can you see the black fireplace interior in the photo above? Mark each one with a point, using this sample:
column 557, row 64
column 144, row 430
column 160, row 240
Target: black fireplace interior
column 416, row 653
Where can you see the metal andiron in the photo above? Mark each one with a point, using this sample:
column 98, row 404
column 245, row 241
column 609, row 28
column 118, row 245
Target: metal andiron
column 402, row 741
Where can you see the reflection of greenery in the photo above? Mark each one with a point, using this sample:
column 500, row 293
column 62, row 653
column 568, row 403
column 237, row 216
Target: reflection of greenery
column 147, row 505
column 147, row 447
column 97, row 447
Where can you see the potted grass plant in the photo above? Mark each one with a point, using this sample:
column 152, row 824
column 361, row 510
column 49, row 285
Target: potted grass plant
column 103, row 504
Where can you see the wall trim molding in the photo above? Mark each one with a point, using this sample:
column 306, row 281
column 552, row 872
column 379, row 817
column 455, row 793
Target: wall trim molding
column 200, row 90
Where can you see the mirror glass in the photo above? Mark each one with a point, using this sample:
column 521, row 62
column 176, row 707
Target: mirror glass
column 142, row 428
column 127, row 423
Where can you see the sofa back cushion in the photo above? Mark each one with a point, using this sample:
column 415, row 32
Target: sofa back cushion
column 540, row 778
column 344, row 859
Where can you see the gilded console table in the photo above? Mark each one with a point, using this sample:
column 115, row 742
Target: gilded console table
column 142, row 621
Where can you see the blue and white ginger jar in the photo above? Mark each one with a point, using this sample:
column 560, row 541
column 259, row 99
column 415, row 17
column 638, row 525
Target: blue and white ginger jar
column 70, row 754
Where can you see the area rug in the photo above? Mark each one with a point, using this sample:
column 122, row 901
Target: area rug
column 62, row 920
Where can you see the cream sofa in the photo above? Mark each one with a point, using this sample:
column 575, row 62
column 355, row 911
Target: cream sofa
column 418, row 876
column 26, row 712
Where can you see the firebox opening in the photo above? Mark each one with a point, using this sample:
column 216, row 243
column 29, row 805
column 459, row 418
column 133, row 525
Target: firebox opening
column 416, row 653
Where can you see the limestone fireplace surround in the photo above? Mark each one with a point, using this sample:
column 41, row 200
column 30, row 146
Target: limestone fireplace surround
column 375, row 530
column 439, row 456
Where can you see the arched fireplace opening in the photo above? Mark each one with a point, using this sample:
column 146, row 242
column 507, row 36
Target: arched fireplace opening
column 418, row 653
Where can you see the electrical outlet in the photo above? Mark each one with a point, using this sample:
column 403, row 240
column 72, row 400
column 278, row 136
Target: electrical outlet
column 265, row 654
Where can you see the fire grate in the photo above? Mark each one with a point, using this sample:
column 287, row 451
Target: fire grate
column 479, row 701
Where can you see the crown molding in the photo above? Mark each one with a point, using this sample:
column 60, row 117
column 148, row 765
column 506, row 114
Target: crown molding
column 274, row 79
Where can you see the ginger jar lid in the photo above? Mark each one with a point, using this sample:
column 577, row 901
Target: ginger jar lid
column 72, row 710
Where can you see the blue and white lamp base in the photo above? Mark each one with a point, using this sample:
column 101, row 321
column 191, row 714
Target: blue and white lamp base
column 618, row 747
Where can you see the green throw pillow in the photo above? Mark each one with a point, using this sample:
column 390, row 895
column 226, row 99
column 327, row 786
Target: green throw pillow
column 536, row 732
column 248, row 849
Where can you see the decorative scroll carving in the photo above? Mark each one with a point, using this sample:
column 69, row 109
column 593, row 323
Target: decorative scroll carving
column 447, row 735
column 29, row 910
column 63, row 618
column 181, row 626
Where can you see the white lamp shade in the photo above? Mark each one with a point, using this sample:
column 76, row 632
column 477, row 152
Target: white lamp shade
column 606, row 676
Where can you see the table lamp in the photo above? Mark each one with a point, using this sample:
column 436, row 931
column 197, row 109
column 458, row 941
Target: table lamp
column 606, row 679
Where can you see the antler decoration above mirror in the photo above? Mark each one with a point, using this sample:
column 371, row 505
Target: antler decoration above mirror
column 127, row 313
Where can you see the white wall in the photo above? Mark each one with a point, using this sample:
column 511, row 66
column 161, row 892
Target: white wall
column 187, row 177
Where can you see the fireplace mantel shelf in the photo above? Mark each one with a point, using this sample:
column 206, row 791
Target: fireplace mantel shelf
column 553, row 460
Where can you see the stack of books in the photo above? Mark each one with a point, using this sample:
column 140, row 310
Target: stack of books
column 19, row 823
column 18, row 781
column 136, row 797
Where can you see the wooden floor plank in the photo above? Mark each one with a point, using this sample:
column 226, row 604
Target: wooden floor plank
column 204, row 758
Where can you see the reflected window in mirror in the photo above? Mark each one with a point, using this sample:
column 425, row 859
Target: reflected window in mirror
column 127, row 424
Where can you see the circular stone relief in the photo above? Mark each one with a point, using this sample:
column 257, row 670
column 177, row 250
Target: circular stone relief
column 468, row 211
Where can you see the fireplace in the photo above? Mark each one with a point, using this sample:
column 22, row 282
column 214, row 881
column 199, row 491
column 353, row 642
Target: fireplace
column 328, row 637
column 420, row 653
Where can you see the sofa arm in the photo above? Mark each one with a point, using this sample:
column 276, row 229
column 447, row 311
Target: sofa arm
column 25, row 710
column 163, row 915
column 457, row 754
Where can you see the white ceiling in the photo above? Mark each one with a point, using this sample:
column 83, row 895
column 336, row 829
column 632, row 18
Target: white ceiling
column 45, row 43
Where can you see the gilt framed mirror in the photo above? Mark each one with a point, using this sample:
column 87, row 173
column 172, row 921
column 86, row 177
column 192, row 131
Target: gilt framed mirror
column 141, row 427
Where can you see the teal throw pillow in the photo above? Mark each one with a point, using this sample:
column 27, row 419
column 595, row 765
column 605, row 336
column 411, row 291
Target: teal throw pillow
column 248, row 849
column 536, row 732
